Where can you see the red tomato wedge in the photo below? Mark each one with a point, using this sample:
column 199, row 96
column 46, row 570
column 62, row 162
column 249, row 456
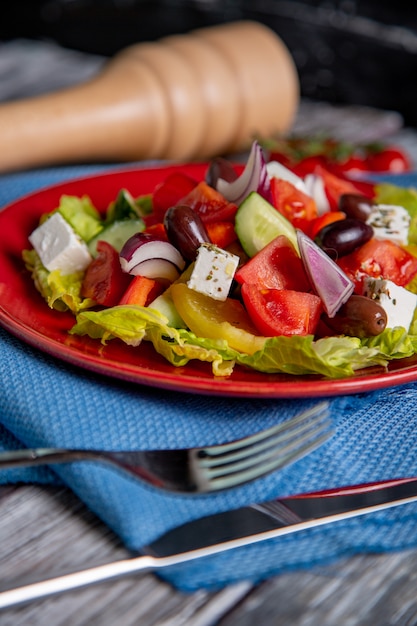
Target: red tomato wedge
column 277, row 266
column 209, row 204
column 380, row 259
column 296, row 206
column 104, row 280
column 282, row 311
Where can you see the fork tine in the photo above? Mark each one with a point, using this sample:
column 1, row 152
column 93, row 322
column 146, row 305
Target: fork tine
column 266, row 451
column 277, row 449
column 258, row 442
column 269, row 439
column 236, row 479
column 316, row 411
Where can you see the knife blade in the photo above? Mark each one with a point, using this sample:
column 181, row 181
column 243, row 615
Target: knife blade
column 232, row 529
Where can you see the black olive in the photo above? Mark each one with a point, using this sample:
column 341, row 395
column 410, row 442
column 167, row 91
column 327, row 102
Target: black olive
column 185, row 230
column 220, row 168
column 344, row 236
column 358, row 317
column 356, row 206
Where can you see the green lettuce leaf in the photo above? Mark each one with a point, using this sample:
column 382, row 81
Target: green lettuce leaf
column 133, row 324
column 128, row 323
column 186, row 346
column 393, row 343
column 60, row 292
column 81, row 214
column 332, row 357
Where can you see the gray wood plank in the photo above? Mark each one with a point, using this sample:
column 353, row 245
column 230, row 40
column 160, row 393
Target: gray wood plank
column 47, row 531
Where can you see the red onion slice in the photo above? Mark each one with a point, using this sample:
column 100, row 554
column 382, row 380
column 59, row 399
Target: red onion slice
column 144, row 247
column 159, row 269
column 253, row 178
column 327, row 279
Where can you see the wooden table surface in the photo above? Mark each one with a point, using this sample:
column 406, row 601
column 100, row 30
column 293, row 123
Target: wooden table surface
column 47, row 531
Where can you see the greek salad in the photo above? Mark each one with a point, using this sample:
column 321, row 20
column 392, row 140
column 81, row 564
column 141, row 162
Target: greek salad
column 255, row 266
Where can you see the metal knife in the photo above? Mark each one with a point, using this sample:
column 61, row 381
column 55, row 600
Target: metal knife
column 232, row 529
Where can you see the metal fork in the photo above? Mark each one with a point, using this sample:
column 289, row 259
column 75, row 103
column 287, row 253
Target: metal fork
column 201, row 470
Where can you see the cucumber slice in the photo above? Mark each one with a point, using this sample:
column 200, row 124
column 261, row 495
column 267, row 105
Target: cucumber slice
column 165, row 305
column 257, row 223
column 117, row 234
column 126, row 206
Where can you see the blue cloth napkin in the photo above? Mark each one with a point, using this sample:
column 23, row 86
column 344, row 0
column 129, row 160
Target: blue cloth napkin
column 47, row 402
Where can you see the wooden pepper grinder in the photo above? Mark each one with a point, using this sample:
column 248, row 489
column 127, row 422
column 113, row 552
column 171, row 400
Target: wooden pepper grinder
column 184, row 97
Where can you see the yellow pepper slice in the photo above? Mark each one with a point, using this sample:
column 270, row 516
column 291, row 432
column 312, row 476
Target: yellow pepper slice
column 215, row 319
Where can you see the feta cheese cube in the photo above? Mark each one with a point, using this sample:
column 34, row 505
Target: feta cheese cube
column 390, row 221
column 399, row 304
column 59, row 247
column 213, row 271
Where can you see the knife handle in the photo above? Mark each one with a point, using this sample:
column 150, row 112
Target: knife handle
column 76, row 580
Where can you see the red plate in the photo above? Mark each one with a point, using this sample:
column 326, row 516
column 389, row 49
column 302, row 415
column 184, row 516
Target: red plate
column 24, row 313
